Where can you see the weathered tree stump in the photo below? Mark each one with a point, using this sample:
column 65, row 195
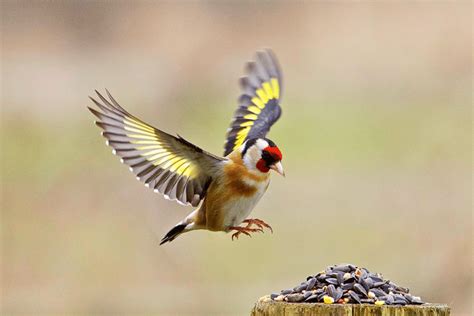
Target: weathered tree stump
column 267, row 307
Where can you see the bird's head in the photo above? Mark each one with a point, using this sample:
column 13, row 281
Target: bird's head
column 262, row 154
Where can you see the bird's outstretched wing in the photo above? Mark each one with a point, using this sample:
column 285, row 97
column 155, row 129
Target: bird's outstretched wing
column 169, row 165
column 259, row 104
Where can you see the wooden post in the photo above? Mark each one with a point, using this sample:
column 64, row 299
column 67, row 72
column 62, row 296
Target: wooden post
column 266, row 307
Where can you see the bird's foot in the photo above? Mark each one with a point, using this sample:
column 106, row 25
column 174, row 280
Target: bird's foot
column 257, row 222
column 243, row 230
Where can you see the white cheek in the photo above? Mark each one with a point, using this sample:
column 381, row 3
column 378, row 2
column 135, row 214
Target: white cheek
column 252, row 156
column 249, row 163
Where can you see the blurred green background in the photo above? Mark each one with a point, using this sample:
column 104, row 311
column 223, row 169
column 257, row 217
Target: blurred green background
column 376, row 136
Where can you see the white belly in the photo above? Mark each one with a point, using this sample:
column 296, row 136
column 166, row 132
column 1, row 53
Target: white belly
column 238, row 210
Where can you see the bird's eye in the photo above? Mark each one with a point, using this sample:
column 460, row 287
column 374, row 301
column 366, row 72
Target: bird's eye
column 272, row 153
column 270, row 157
column 266, row 155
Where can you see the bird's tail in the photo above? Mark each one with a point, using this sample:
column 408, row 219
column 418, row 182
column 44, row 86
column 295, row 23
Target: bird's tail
column 184, row 226
column 173, row 233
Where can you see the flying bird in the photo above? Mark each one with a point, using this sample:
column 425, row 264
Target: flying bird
column 223, row 190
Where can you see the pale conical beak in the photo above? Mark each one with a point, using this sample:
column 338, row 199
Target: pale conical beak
column 278, row 167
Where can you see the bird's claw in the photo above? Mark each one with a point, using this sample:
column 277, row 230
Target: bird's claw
column 243, row 230
column 246, row 230
column 259, row 223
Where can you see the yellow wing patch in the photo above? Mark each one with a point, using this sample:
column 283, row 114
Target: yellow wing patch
column 155, row 153
column 254, row 109
column 269, row 90
column 169, row 165
column 252, row 117
column 241, row 135
column 147, row 144
column 275, row 88
column 137, row 124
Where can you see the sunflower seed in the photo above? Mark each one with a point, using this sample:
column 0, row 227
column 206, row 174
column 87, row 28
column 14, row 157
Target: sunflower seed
column 364, row 283
column 319, row 291
column 402, row 289
column 294, row 298
column 321, row 276
column 300, row 288
column 359, row 288
column 354, row 297
column 400, row 297
column 331, row 274
column 376, row 277
column 369, row 282
column 312, row 298
column 332, row 281
column 347, row 286
column 342, row 268
column 378, row 292
column 340, row 278
column 386, row 287
column 321, row 296
column 331, row 290
column 389, row 299
column 311, row 283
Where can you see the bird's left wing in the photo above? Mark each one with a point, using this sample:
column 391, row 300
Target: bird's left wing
column 170, row 165
column 259, row 104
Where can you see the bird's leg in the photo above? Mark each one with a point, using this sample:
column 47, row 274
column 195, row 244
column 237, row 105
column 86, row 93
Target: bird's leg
column 257, row 222
column 243, row 230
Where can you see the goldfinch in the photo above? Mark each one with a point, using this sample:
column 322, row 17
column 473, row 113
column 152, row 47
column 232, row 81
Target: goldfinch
column 223, row 190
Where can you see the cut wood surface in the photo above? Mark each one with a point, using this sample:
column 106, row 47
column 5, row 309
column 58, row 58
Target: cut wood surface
column 267, row 307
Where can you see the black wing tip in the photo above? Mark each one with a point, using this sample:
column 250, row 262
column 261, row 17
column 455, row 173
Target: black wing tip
column 93, row 100
column 97, row 103
column 109, row 104
column 97, row 92
column 95, row 112
column 91, row 109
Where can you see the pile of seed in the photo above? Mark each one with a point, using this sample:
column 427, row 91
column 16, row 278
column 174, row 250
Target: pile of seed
column 347, row 284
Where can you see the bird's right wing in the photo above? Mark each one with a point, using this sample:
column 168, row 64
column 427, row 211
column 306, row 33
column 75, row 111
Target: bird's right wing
column 170, row 165
column 259, row 104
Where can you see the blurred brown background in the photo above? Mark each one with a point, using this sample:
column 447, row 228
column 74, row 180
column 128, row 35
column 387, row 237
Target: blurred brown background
column 376, row 136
